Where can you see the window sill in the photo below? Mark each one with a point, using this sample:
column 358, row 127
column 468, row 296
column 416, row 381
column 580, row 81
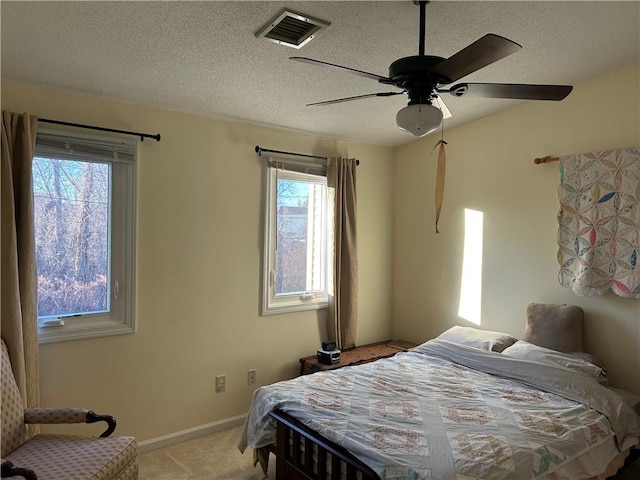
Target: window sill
column 66, row 333
column 298, row 307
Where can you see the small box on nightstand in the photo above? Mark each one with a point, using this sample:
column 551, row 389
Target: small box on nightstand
column 328, row 357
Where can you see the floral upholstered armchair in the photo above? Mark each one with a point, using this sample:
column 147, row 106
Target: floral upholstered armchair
column 59, row 457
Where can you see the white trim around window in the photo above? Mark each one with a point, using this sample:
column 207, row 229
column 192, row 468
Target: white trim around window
column 119, row 315
column 310, row 290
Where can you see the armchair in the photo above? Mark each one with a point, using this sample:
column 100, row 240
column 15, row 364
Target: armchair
column 59, row 457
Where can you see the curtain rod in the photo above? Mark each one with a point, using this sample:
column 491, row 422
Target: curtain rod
column 259, row 151
column 142, row 136
column 546, row 159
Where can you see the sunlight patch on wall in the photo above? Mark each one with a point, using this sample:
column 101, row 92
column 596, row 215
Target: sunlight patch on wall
column 471, row 280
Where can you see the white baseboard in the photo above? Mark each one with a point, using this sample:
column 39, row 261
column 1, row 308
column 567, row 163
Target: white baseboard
column 188, row 434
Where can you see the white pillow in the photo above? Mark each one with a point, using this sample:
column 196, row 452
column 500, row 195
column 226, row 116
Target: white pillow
column 536, row 353
column 474, row 337
column 631, row 399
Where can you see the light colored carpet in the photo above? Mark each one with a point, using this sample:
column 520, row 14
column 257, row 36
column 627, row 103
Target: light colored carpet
column 212, row 457
column 216, row 457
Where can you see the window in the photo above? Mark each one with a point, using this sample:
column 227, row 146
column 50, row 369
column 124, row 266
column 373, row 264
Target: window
column 84, row 212
column 295, row 256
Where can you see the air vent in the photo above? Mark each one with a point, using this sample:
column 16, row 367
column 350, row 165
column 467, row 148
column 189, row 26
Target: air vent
column 292, row 29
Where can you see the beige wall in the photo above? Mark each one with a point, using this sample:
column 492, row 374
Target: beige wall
column 199, row 245
column 490, row 168
column 198, row 270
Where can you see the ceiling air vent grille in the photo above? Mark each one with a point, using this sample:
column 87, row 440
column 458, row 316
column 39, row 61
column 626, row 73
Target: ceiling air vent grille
column 292, row 29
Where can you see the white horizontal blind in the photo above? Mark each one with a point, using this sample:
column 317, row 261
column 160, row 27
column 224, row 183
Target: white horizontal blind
column 311, row 167
column 73, row 146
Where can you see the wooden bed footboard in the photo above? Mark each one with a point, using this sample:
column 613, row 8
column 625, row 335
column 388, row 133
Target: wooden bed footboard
column 302, row 454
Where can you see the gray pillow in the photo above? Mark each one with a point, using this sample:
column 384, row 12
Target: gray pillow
column 558, row 327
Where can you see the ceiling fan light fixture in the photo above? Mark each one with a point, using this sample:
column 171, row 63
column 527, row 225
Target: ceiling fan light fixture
column 419, row 119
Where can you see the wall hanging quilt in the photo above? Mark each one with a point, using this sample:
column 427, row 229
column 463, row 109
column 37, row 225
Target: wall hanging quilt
column 599, row 222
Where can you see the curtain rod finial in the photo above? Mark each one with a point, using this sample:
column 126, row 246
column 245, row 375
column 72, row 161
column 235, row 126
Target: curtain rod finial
column 155, row 137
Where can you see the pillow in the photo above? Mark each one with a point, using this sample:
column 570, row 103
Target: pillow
column 558, row 327
column 631, row 399
column 588, row 357
column 535, row 353
column 474, row 337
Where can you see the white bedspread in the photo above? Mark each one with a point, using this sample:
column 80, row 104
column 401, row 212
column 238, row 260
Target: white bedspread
column 449, row 412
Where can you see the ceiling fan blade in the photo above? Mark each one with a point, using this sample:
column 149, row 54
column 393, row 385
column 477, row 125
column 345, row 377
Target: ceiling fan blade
column 437, row 102
column 512, row 90
column 357, row 97
column 361, row 73
column 475, row 56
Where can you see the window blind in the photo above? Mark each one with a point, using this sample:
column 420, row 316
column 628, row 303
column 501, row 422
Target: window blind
column 66, row 145
column 317, row 167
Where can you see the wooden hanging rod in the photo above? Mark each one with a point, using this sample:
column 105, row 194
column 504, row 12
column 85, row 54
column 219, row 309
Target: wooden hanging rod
column 546, row 159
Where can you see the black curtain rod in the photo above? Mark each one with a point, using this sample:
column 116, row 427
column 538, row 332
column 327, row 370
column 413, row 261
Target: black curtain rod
column 142, row 136
column 259, row 151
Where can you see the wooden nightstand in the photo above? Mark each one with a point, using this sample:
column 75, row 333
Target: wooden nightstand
column 358, row 355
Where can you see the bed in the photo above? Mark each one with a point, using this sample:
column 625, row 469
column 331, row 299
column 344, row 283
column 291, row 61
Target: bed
column 451, row 408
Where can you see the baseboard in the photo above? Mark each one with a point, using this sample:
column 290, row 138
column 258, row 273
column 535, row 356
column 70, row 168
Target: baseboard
column 188, row 434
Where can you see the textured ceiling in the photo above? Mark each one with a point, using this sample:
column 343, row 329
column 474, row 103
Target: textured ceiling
column 203, row 57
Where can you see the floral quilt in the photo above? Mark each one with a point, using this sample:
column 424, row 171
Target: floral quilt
column 599, row 222
column 449, row 412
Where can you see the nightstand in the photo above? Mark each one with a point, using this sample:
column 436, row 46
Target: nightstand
column 358, row 355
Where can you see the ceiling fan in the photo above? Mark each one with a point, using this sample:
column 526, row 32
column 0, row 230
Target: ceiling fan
column 422, row 78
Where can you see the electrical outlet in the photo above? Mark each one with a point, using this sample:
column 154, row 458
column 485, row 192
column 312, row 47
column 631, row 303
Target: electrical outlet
column 251, row 377
column 221, row 383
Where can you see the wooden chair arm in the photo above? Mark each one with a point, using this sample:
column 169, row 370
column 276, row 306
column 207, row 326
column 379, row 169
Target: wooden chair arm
column 93, row 417
column 8, row 469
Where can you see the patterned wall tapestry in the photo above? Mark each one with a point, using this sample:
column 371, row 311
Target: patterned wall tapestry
column 599, row 222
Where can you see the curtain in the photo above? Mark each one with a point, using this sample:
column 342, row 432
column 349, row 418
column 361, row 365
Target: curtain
column 343, row 301
column 599, row 222
column 19, row 279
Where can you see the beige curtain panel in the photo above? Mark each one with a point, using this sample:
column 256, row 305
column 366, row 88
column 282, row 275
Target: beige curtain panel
column 343, row 304
column 19, row 278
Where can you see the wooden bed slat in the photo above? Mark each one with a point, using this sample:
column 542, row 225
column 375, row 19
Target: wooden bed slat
column 308, row 453
column 297, row 451
column 335, row 468
column 351, row 472
column 322, row 463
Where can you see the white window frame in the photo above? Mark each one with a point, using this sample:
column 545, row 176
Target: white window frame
column 121, row 154
column 273, row 304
